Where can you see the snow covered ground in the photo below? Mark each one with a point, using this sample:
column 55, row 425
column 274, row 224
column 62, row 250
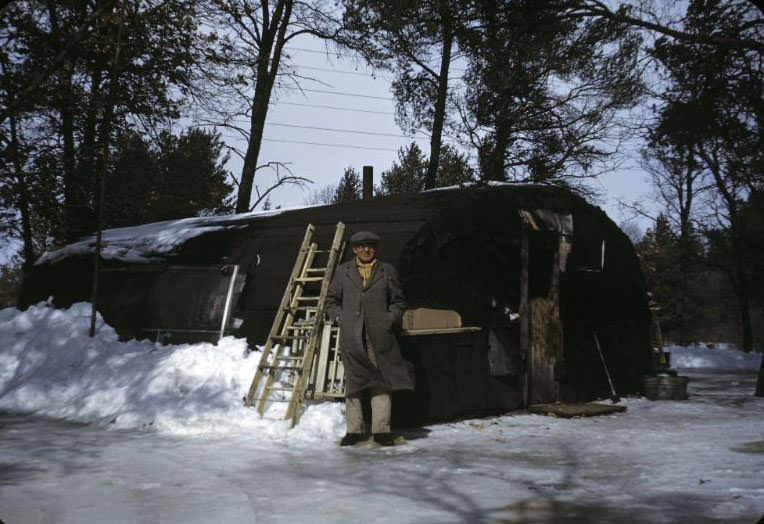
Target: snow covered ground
column 96, row 430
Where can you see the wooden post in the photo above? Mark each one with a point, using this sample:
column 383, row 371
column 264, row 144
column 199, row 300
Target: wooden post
column 368, row 182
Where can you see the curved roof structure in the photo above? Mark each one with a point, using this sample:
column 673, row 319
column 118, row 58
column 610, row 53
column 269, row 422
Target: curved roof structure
column 456, row 249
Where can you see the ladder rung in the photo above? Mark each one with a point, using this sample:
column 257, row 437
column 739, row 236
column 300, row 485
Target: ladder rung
column 309, row 279
column 279, row 388
column 286, row 368
column 279, row 338
column 301, row 308
column 307, row 298
column 315, row 270
column 302, row 327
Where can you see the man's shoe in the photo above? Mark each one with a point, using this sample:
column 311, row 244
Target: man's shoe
column 384, row 439
column 351, row 438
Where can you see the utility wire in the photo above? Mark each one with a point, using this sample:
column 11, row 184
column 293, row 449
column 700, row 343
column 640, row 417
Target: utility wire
column 329, row 145
column 316, row 51
column 339, row 93
column 358, row 73
column 336, row 108
column 344, row 55
column 354, row 131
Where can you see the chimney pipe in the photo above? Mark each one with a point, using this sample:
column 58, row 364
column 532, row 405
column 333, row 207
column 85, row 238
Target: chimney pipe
column 368, row 182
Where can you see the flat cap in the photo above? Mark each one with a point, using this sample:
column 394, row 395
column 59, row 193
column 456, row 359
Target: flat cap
column 364, row 237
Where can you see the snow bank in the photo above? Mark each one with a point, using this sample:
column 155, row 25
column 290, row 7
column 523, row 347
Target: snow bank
column 49, row 366
column 719, row 357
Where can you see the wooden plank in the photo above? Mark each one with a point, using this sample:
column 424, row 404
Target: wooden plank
column 336, row 373
column 428, row 318
column 543, row 350
column 576, row 409
column 319, row 376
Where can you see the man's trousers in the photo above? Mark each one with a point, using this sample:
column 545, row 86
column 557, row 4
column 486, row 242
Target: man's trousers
column 381, row 404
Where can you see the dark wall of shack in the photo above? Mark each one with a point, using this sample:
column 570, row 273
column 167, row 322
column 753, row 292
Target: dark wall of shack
column 457, row 250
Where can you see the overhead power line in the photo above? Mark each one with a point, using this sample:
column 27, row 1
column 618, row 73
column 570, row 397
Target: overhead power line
column 316, row 51
column 353, row 131
column 347, row 146
column 358, row 73
column 339, row 93
column 345, row 55
column 336, row 108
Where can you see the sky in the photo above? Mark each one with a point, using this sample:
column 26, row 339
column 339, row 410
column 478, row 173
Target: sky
column 344, row 117
column 98, row 430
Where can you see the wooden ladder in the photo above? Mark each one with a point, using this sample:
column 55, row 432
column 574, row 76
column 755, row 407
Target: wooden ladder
column 288, row 355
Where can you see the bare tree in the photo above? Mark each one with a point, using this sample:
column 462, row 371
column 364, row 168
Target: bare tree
column 246, row 60
column 321, row 196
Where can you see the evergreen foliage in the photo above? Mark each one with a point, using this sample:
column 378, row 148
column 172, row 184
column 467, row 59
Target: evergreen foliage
column 696, row 301
column 542, row 88
column 175, row 177
column 11, row 275
column 407, row 174
column 349, row 187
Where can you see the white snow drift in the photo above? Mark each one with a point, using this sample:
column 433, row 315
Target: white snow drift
column 49, row 366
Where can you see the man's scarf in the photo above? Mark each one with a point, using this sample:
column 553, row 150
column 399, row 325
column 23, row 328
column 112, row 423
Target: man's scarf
column 365, row 270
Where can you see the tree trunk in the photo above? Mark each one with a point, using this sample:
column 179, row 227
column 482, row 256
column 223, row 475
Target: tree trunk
column 24, row 200
column 74, row 204
column 98, row 177
column 88, row 151
column 22, row 189
column 74, row 201
column 257, row 124
column 272, row 43
column 431, row 177
column 498, row 155
column 760, row 378
column 686, row 253
column 23, row 193
column 743, row 300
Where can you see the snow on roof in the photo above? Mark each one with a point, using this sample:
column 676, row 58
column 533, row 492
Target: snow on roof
column 143, row 243
column 147, row 242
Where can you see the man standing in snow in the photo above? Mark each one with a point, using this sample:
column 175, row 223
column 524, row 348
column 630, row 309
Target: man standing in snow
column 366, row 299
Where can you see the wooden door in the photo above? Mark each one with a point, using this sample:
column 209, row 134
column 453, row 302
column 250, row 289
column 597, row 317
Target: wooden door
column 545, row 246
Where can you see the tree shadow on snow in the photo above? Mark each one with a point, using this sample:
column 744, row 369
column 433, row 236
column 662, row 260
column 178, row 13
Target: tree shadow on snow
column 43, row 446
column 553, row 485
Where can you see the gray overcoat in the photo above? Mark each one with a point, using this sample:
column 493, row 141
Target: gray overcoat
column 379, row 307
